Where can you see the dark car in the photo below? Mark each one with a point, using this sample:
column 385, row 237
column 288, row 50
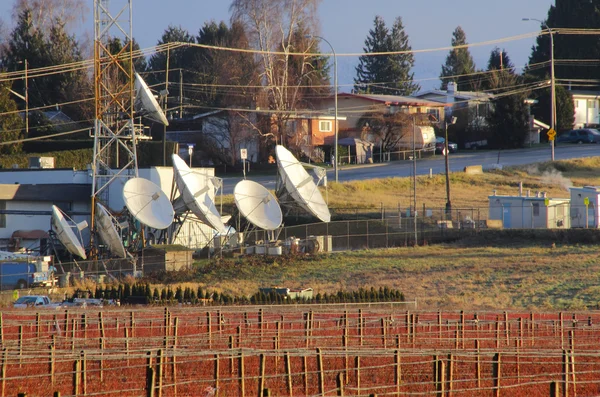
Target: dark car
column 583, row 135
column 440, row 145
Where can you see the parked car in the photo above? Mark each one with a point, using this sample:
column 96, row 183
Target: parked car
column 583, row 135
column 32, row 301
column 440, row 145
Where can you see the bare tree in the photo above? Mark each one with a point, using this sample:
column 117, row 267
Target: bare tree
column 45, row 12
column 389, row 129
column 273, row 27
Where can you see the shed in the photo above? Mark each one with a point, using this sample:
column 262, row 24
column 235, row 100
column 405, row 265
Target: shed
column 359, row 151
column 165, row 258
column 530, row 212
column 584, row 207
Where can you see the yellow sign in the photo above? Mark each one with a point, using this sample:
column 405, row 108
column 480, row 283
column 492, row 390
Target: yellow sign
column 546, row 202
column 586, row 201
column 551, row 134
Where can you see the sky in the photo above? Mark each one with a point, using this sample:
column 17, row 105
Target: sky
column 346, row 24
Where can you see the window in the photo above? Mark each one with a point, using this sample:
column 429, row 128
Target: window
column 325, row 126
column 591, row 104
column 560, row 211
column 434, row 112
column 2, row 216
column 536, row 209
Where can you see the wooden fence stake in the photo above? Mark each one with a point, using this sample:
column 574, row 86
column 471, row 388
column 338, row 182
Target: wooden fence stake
column 321, row 372
column 441, row 375
column 554, row 389
column 4, row 365
column 1, row 330
column 20, row 344
column 497, row 371
column 37, row 324
column 288, row 372
column 159, row 371
column 150, row 380
column 357, row 365
column 340, row 384
column 83, row 369
column 450, row 373
column 360, row 326
column 52, row 363
column 242, row 383
column 572, row 355
column 398, row 375
column 261, row 385
column 478, row 364
column 217, row 371
column 305, row 373
column 565, row 373
column 76, row 367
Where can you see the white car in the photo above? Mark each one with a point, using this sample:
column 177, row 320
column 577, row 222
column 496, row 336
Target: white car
column 32, row 301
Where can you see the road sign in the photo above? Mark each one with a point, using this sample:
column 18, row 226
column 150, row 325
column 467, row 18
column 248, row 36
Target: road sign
column 551, row 134
column 586, row 201
column 243, row 154
column 546, row 202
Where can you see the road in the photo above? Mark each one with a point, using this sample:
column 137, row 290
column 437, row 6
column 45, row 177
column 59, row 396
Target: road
column 458, row 161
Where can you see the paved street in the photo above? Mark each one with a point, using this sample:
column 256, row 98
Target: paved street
column 458, row 161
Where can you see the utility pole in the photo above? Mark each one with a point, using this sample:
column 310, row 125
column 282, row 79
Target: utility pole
column 165, row 107
column 415, row 176
column 26, row 102
column 180, row 93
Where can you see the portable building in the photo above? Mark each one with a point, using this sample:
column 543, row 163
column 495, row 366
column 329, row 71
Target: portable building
column 584, row 207
column 530, row 212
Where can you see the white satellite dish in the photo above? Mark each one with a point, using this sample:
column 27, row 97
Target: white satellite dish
column 62, row 228
column 148, row 203
column 146, row 104
column 108, row 232
column 257, row 205
column 299, row 185
column 195, row 194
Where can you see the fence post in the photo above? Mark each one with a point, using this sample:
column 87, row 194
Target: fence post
column 340, row 384
column 262, row 373
column 288, row 371
column 320, row 369
column 496, row 373
column 565, row 373
column 398, row 372
column 242, row 383
column 554, row 389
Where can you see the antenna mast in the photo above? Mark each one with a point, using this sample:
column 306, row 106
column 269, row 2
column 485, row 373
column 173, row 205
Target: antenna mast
column 114, row 135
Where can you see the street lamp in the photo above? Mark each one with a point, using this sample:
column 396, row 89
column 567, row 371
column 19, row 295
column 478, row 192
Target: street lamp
column 446, row 152
column 335, row 95
column 191, row 151
column 552, row 82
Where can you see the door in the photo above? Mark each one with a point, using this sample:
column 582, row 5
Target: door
column 506, row 215
column 591, row 216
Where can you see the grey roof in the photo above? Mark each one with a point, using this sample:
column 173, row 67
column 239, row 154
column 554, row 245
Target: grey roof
column 46, row 192
column 395, row 99
column 464, row 95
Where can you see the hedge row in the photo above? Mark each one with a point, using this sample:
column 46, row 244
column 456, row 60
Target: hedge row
column 168, row 295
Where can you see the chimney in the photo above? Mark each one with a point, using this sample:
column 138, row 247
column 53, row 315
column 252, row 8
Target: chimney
column 543, row 194
column 528, row 192
column 451, row 87
column 493, row 192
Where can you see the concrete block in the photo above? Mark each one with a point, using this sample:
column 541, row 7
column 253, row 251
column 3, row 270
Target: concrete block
column 473, row 169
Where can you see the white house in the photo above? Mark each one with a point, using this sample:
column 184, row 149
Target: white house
column 587, row 108
column 585, row 202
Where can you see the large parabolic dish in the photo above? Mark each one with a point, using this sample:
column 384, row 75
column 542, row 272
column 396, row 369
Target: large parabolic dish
column 148, row 203
column 108, row 232
column 145, row 103
column 65, row 234
column 257, row 205
column 300, row 185
column 195, row 193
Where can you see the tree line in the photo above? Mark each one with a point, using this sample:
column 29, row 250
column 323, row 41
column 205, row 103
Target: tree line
column 255, row 95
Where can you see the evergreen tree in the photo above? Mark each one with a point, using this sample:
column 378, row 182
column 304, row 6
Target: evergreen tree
column 10, row 123
column 508, row 119
column 386, row 74
column 179, row 58
column 459, row 66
